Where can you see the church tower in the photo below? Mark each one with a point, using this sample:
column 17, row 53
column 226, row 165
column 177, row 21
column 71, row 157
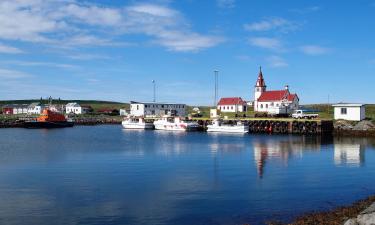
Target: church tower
column 260, row 87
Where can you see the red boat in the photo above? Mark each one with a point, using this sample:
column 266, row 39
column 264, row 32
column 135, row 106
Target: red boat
column 49, row 119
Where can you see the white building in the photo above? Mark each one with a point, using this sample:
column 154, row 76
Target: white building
column 273, row 102
column 35, row 108
column 352, row 112
column 153, row 109
column 234, row 104
column 124, row 112
column 74, row 108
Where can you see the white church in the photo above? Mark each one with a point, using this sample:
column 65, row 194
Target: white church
column 273, row 102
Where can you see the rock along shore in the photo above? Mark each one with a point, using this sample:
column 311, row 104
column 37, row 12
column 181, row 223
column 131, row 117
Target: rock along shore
column 359, row 213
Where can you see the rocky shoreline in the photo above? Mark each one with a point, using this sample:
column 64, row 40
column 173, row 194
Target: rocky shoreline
column 360, row 213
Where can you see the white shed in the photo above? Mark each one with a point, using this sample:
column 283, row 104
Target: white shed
column 352, row 112
column 73, row 108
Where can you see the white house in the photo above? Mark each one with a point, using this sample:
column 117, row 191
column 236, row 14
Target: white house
column 233, row 104
column 74, row 108
column 35, row 108
column 153, row 109
column 273, row 102
column 352, row 112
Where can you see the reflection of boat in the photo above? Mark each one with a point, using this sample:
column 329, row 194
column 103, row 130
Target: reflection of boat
column 136, row 123
column 49, row 119
column 175, row 124
column 217, row 126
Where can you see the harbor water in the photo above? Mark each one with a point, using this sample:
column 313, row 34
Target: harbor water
column 107, row 175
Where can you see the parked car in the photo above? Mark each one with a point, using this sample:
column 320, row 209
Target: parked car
column 304, row 114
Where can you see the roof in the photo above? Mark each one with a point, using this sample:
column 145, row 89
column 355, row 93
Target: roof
column 231, row 101
column 33, row 105
column 270, row 96
column 156, row 103
column 73, row 104
column 348, row 105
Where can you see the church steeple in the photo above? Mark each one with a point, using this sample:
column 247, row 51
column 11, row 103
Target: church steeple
column 260, row 81
column 260, row 87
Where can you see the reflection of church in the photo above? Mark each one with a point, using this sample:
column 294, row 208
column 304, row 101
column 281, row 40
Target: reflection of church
column 348, row 152
column 283, row 149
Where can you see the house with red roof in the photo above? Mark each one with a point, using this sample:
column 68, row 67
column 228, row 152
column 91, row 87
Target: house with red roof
column 232, row 104
column 273, row 102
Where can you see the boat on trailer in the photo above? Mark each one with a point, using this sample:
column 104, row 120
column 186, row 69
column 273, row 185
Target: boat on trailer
column 175, row 124
column 219, row 127
column 136, row 123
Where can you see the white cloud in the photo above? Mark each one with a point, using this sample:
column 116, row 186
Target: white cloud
column 306, row 10
column 276, row 61
column 227, row 4
column 35, row 63
column 314, row 50
column 265, row 42
column 69, row 23
column 12, row 74
column 280, row 24
column 9, row 49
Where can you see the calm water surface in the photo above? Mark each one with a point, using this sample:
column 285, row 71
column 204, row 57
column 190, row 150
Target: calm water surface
column 105, row 175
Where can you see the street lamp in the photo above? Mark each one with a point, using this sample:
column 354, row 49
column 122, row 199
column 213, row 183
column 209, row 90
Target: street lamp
column 154, row 86
column 216, row 72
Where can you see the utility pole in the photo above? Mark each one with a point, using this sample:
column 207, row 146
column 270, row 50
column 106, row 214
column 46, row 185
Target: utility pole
column 216, row 72
column 154, row 86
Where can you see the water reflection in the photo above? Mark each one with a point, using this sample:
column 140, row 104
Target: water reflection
column 349, row 152
column 283, row 148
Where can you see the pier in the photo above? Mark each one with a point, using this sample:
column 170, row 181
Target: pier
column 280, row 125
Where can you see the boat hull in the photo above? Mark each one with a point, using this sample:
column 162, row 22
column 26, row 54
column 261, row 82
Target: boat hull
column 143, row 126
column 175, row 127
column 228, row 129
column 36, row 125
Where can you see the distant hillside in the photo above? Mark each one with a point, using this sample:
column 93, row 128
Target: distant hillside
column 95, row 104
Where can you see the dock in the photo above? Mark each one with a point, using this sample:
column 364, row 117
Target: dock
column 279, row 125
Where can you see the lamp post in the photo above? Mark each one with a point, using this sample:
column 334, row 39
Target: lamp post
column 154, row 86
column 216, row 73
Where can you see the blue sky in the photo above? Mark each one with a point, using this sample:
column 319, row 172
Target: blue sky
column 112, row 50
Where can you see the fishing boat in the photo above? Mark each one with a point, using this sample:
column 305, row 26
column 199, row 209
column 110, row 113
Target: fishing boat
column 136, row 123
column 217, row 126
column 175, row 124
column 49, row 119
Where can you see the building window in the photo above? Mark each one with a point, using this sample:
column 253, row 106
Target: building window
column 137, row 107
column 344, row 111
column 231, row 107
column 266, row 106
column 261, row 106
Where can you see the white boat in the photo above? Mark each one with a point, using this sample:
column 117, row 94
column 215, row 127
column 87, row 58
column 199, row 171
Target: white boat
column 136, row 123
column 217, row 126
column 175, row 124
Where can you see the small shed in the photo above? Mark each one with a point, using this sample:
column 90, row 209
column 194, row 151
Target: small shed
column 349, row 111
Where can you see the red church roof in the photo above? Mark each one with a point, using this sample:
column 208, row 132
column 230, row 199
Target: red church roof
column 231, row 101
column 270, row 96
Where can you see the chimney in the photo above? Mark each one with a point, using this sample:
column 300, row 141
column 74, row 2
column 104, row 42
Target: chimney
column 286, row 87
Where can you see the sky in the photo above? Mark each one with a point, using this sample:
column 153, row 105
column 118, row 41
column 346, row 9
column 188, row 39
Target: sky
column 112, row 50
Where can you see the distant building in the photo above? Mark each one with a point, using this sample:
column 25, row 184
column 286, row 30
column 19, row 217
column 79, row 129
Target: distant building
column 273, row 102
column 35, row 108
column 13, row 109
column 214, row 113
column 153, row 109
column 234, row 104
column 124, row 112
column 74, row 108
column 352, row 112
